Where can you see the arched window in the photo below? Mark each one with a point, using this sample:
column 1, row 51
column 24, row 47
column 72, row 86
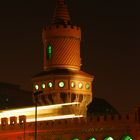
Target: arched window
column 92, row 138
column 49, row 52
column 75, row 139
column 108, row 138
column 126, row 137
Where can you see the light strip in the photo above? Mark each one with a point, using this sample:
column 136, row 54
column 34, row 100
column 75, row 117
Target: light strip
column 38, row 108
column 25, row 111
column 55, row 118
column 50, row 118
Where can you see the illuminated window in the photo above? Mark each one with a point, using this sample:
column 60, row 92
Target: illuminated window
column 36, row 87
column 43, row 85
column 87, row 86
column 49, row 52
column 72, row 84
column 50, row 84
column 108, row 138
column 80, row 85
column 92, row 138
column 126, row 137
column 61, row 84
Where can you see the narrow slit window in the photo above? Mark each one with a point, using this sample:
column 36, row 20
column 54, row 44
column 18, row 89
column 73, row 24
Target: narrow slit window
column 49, row 52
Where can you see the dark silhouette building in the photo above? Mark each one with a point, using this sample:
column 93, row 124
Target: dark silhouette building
column 12, row 96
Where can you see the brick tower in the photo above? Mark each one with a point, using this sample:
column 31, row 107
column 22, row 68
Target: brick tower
column 62, row 80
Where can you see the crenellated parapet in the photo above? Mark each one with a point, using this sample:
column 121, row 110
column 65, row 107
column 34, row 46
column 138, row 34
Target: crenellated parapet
column 114, row 119
column 98, row 121
column 59, row 31
column 98, row 126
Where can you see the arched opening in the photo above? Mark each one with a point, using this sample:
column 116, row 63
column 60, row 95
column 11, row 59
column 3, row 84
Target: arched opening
column 126, row 137
column 92, row 138
column 75, row 139
column 108, row 138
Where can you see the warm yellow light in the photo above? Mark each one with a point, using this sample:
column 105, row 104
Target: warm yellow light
column 33, row 108
column 44, row 111
column 54, row 117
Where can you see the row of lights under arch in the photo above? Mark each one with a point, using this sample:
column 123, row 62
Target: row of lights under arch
column 61, row 84
column 126, row 137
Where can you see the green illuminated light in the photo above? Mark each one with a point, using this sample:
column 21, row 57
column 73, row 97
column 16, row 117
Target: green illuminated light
column 92, row 138
column 50, row 84
column 75, row 139
column 43, row 85
column 127, row 138
column 87, row 86
column 49, row 52
column 36, row 87
column 108, row 138
column 61, row 84
column 80, row 85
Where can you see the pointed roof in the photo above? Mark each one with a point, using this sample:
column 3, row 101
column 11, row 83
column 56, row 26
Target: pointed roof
column 61, row 15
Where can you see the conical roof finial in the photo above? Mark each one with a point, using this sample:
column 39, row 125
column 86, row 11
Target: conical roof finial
column 61, row 15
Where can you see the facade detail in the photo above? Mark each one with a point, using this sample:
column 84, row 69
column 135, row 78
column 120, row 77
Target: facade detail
column 115, row 127
column 62, row 73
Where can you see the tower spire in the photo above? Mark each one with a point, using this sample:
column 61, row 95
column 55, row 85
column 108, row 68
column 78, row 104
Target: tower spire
column 61, row 15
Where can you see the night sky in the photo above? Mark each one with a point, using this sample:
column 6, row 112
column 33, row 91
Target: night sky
column 110, row 47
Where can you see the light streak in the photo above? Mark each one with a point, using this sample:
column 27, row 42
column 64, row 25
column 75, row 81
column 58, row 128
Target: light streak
column 54, row 117
column 24, row 111
column 49, row 112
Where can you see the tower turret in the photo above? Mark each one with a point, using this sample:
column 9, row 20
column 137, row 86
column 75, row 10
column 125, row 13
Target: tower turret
column 61, row 41
column 62, row 81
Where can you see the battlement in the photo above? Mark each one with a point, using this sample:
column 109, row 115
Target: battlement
column 113, row 119
column 83, row 128
column 12, row 121
column 98, row 121
column 59, row 31
column 55, row 26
